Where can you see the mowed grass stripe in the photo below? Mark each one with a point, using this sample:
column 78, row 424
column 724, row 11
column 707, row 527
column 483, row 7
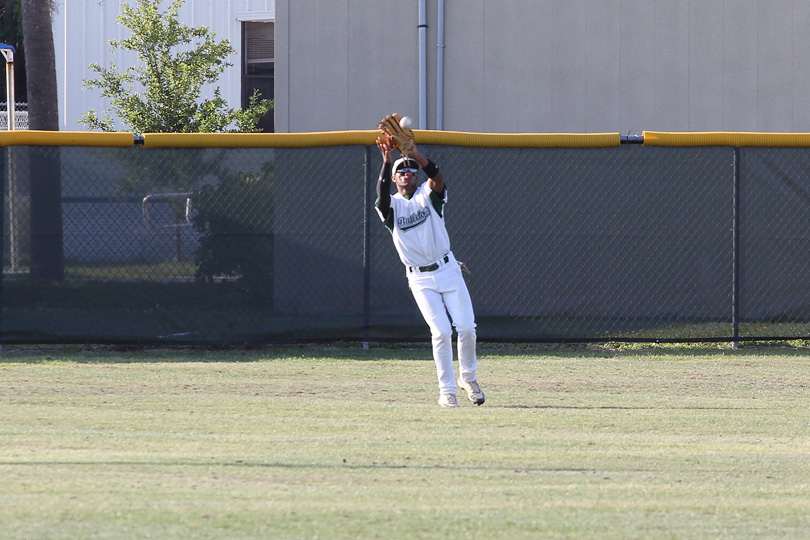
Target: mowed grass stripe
column 347, row 443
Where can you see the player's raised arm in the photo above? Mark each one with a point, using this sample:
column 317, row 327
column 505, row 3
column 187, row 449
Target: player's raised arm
column 383, row 203
column 435, row 178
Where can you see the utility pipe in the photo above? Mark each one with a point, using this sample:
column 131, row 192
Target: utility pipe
column 422, row 65
column 440, row 69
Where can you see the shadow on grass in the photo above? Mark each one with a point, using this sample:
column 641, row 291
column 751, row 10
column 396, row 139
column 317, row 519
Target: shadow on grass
column 282, row 465
column 616, row 408
column 122, row 354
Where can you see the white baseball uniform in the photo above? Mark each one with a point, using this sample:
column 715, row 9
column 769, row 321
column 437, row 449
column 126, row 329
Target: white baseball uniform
column 420, row 237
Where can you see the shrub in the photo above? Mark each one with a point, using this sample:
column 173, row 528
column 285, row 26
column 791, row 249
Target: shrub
column 235, row 221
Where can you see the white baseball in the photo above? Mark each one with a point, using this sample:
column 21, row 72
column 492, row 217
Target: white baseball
column 405, row 122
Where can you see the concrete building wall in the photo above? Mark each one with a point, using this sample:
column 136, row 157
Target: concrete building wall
column 548, row 65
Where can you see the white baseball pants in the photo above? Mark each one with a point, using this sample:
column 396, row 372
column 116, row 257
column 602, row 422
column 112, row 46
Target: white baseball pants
column 438, row 294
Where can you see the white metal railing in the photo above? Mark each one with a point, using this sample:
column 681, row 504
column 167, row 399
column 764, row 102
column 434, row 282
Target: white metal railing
column 20, row 116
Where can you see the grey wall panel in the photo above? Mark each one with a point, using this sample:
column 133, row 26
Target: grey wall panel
column 281, row 108
column 464, row 58
column 706, row 78
column 376, row 65
column 740, row 44
column 319, row 85
column 603, row 66
column 637, row 65
column 534, row 63
column 568, row 71
column 501, row 77
column 671, row 85
column 775, row 61
column 800, row 82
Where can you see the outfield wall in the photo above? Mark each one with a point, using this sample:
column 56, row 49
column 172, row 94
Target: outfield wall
column 256, row 238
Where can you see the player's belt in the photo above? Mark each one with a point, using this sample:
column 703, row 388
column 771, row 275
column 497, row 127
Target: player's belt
column 431, row 267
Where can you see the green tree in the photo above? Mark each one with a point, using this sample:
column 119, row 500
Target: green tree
column 162, row 93
column 11, row 22
column 11, row 33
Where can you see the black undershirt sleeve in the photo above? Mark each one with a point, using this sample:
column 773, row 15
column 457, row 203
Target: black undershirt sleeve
column 383, row 203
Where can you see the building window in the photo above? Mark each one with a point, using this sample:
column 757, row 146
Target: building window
column 258, row 51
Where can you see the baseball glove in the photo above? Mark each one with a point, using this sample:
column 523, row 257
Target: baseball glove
column 395, row 135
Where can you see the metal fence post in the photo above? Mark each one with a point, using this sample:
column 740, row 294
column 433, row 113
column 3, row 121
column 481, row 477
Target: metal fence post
column 735, row 286
column 5, row 155
column 367, row 202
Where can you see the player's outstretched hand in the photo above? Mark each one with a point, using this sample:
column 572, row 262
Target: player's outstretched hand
column 385, row 149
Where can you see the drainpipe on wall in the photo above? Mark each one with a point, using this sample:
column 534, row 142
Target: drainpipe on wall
column 440, row 69
column 422, row 65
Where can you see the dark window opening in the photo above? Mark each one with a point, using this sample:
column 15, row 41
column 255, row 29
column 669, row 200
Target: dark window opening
column 258, row 67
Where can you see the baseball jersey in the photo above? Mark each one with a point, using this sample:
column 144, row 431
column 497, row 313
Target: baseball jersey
column 417, row 225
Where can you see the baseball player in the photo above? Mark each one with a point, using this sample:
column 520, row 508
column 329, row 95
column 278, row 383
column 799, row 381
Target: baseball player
column 415, row 218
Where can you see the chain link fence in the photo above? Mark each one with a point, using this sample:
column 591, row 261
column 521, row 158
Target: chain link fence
column 20, row 116
column 261, row 245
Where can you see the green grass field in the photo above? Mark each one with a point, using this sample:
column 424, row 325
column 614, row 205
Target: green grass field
column 343, row 443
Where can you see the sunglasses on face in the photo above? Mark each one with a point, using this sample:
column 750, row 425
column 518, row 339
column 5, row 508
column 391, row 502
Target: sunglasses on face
column 404, row 170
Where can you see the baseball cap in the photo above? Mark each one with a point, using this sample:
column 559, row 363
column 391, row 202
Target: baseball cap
column 404, row 162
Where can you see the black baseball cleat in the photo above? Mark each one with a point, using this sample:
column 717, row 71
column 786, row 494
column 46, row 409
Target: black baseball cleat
column 474, row 392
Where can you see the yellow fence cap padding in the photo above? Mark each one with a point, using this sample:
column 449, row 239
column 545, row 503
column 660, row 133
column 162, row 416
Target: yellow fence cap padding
column 258, row 140
column 726, row 138
column 519, row 140
column 368, row 137
column 24, row 137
